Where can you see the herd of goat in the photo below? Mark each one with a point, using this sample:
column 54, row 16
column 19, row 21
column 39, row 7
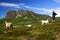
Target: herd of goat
column 9, row 24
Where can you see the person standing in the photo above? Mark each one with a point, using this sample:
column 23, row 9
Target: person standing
column 53, row 16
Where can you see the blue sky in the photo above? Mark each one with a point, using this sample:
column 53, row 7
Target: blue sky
column 38, row 6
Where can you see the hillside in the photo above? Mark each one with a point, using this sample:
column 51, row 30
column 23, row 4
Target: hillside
column 20, row 13
column 35, row 32
column 24, row 17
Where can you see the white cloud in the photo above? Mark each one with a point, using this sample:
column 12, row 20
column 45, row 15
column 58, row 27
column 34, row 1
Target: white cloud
column 28, row 7
column 43, row 9
column 57, row 1
column 47, row 11
column 57, row 10
column 22, row 3
column 10, row 5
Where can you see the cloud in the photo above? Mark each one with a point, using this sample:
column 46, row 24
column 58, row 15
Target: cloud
column 28, row 7
column 47, row 11
column 10, row 5
column 22, row 3
column 43, row 9
column 57, row 1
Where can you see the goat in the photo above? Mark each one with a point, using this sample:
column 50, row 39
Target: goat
column 28, row 25
column 44, row 21
column 8, row 25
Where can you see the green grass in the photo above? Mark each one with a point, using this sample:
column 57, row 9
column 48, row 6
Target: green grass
column 37, row 31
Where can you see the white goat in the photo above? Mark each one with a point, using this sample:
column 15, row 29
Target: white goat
column 8, row 25
column 28, row 25
column 44, row 21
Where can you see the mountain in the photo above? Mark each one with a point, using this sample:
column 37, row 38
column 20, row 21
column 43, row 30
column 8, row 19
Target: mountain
column 23, row 17
column 25, row 13
column 37, row 31
column 11, row 14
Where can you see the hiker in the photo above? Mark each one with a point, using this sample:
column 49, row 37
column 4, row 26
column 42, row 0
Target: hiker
column 53, row 16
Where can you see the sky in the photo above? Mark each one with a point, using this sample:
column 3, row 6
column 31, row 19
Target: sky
column 38, row 6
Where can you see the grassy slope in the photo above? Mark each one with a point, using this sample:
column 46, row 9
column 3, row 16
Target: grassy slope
column 36, row 32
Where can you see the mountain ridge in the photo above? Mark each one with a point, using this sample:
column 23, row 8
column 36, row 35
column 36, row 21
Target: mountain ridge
column 19, row 13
